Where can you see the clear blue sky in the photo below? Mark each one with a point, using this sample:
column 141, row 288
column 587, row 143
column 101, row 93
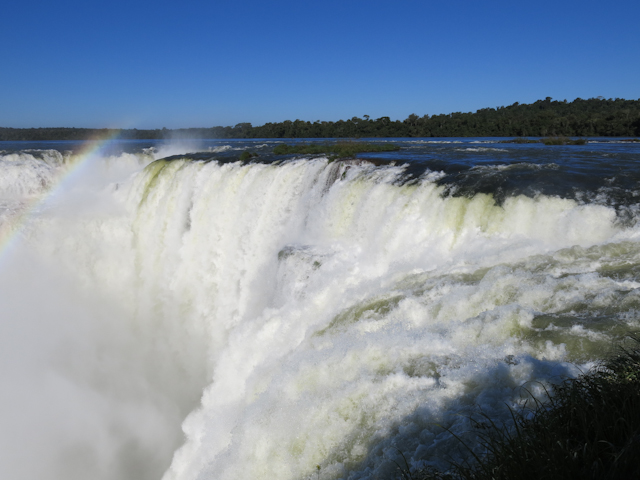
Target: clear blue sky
column 204, row 63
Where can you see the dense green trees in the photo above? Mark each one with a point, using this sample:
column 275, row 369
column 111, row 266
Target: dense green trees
column 592, row 117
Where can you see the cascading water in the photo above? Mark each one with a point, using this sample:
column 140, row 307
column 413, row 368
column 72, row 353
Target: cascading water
column 302, row 318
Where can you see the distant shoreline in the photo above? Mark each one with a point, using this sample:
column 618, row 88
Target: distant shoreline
column 595, row 117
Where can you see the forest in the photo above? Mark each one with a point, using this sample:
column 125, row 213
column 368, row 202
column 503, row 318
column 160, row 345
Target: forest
column 579, row 118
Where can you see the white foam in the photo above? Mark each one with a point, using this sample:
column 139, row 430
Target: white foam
column 327, row 315
column 481, row 149
column 28, row 173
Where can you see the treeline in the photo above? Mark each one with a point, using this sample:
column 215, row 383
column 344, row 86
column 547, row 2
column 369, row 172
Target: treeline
column 62, row 133
column 591, row 117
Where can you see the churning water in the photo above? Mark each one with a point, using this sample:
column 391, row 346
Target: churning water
column 170, row 310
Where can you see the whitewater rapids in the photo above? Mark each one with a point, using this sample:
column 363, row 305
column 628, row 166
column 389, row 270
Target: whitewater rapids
column 196, row 320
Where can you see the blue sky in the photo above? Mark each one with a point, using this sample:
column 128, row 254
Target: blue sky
column 205, row 63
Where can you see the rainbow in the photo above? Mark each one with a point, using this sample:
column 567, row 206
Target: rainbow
column 91, row 151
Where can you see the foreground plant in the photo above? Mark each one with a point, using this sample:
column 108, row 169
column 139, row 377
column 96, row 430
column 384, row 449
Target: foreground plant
column 588, row 429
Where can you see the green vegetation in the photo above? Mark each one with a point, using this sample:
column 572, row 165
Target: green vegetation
column 563, row 141
column 335, row 150
column 589, row 429
column 543, row 118
column 247, row 155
